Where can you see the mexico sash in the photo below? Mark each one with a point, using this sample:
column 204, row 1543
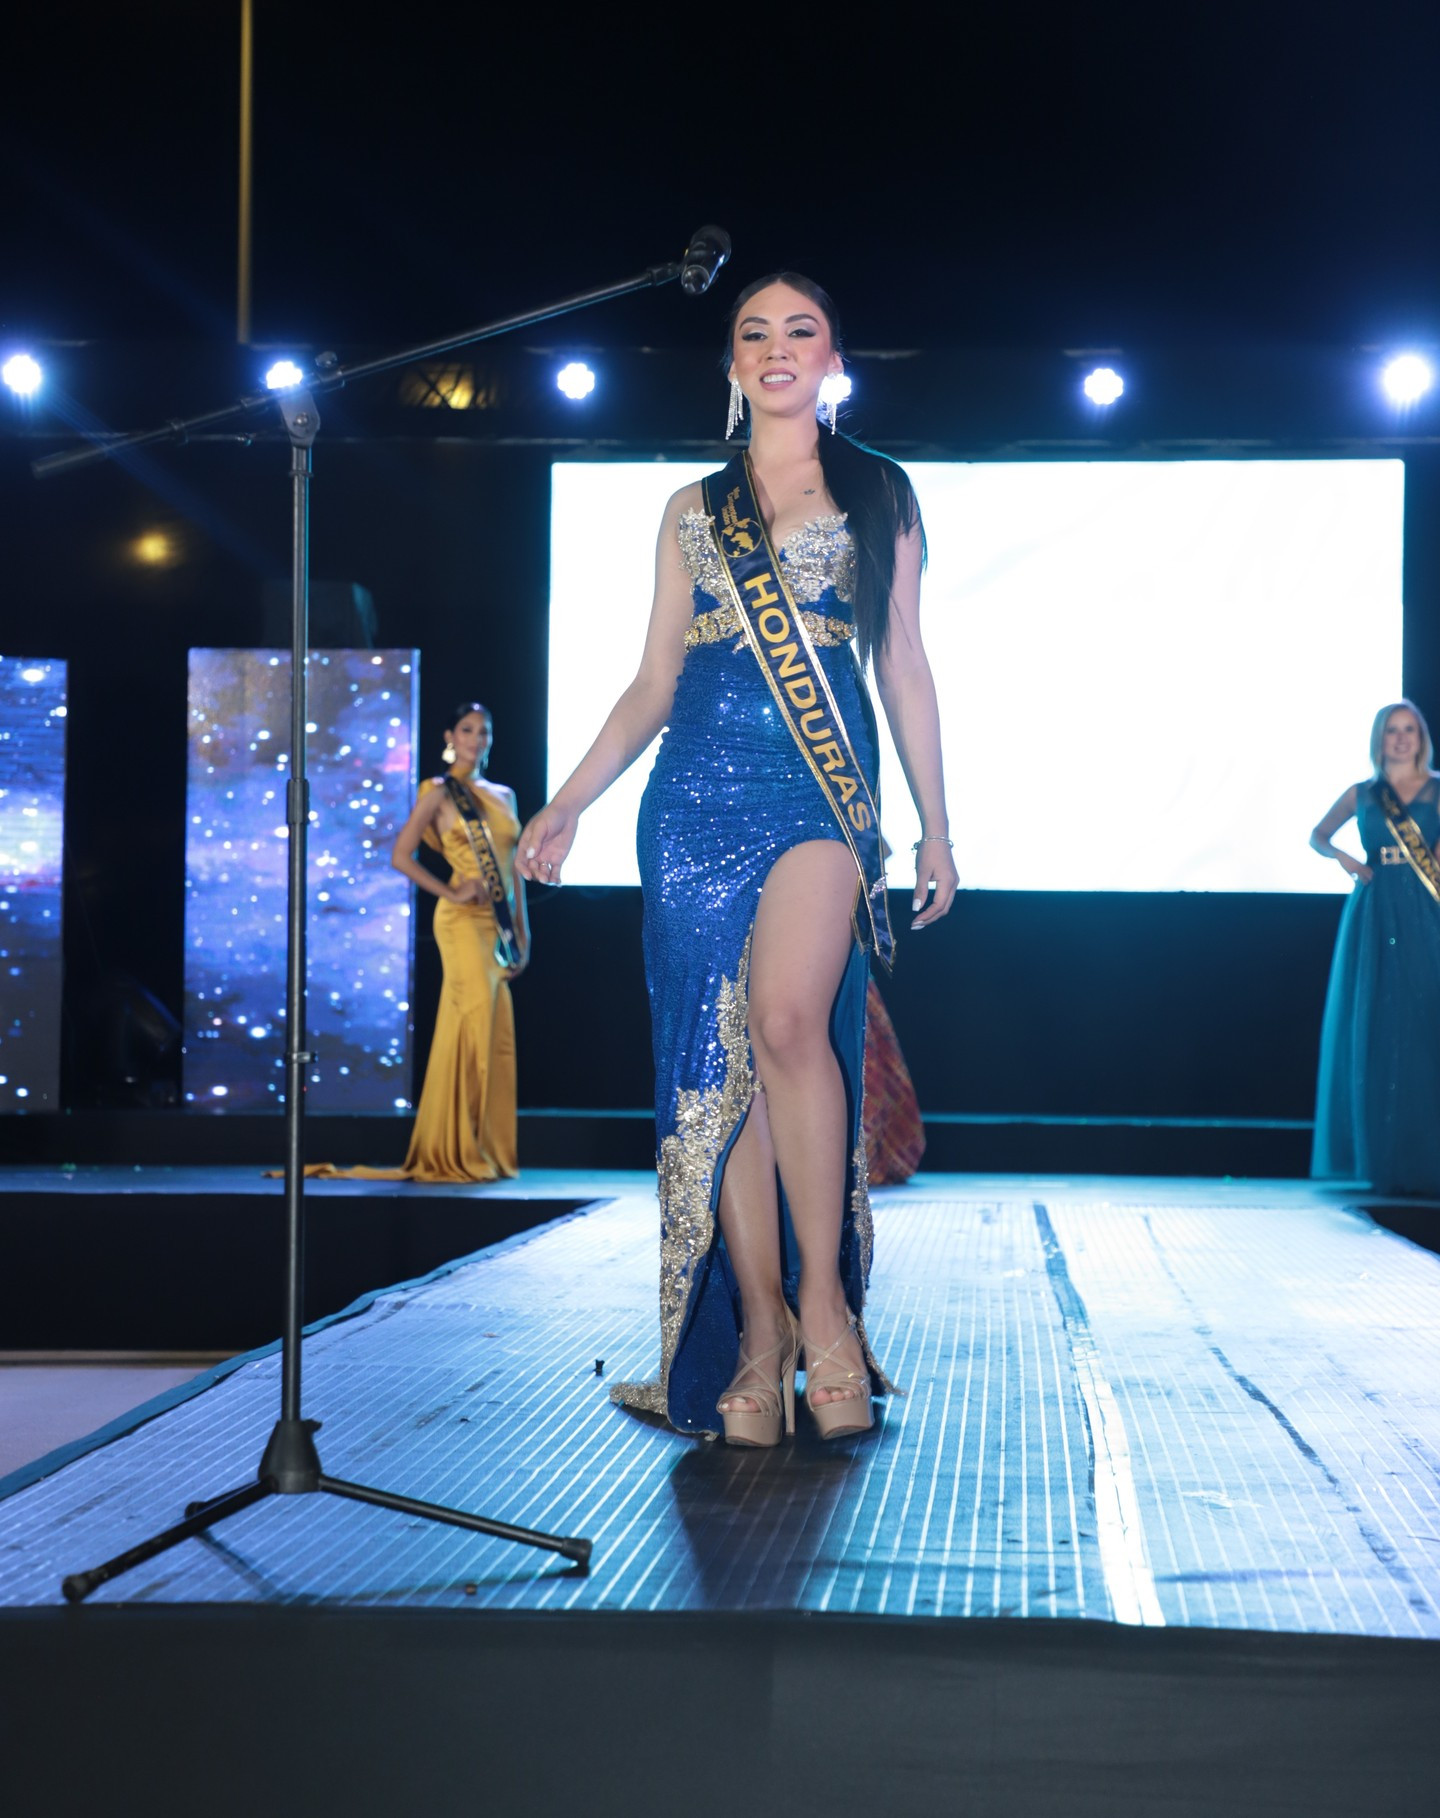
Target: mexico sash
column 781, row 646
column 1408, row 837
column 491, row 876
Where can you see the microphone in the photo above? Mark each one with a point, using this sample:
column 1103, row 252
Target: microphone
column 708, row 250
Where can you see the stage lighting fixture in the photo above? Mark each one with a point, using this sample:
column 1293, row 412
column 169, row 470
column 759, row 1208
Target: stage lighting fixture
column 576, row 380
column 1407, row 378
column 836, row 386
column 22, row 374
column 155, row 549
column 1104, row 385
column 282, row 375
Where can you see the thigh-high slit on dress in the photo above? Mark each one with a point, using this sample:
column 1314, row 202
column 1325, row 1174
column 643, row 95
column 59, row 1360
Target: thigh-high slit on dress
column 728, row 795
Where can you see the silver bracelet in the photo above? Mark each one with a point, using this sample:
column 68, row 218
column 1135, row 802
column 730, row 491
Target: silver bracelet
column 931, row 839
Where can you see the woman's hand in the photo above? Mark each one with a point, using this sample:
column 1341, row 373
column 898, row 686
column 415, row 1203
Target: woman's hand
column 934, row 864
column 1355, row 868
column 466, row 890
column 521, row 962
column 545, row 843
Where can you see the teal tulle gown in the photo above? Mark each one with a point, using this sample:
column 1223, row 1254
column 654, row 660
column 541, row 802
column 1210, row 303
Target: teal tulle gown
column 1379, row 1093
column 728, row 795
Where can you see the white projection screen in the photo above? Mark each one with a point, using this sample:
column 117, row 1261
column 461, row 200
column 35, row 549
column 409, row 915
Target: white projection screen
column 1153, row 675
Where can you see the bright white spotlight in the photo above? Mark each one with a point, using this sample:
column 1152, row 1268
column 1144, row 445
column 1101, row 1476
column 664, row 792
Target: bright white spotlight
column 282, row 375
column 836, row 387
column 576, row 380
column 1104, row 385
column 22, row 374
column 1407, row 378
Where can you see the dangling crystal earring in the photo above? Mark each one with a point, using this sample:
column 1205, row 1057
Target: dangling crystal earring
column 830, row 411
column 737, row 408
column 447, row 756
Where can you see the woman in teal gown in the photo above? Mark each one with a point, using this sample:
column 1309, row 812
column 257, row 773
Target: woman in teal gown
column 754, row 916
column 1379, row 1086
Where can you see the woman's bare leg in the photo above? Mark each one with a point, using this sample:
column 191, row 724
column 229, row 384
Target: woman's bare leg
column 797, row 959
column 750, row 1219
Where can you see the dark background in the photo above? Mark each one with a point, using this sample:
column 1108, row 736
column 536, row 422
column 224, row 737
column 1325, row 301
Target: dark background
column 1240, row 201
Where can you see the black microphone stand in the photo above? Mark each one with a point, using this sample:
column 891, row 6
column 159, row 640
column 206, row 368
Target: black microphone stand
column 291, row 1465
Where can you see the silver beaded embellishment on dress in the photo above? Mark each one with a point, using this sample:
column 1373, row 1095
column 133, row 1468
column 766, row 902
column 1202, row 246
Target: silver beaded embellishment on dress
column 820, row 558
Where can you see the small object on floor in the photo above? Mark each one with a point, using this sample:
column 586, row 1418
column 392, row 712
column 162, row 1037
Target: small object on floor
column 599, row 1366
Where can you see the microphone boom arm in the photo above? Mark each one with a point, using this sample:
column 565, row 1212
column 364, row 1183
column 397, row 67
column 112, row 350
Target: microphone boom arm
column 330, row 376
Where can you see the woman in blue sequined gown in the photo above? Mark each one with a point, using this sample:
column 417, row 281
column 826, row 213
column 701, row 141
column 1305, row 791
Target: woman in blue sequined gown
column 1379, row 1081
column 755, row 973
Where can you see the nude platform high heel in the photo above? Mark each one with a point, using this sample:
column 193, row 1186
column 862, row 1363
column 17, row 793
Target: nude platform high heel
column 848, row 1414
column 760, row 1425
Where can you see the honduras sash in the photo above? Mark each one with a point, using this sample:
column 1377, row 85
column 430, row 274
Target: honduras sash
column 782, row 647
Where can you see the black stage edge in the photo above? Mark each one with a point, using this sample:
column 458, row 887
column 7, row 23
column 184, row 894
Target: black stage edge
column 1253, row 1148
column 155, row 1271
column 440, row 1712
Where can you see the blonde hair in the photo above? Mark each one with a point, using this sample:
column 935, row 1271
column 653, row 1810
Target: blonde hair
column 1377, row 735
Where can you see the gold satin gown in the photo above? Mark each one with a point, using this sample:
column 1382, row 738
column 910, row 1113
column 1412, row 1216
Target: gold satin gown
column 465, row 1124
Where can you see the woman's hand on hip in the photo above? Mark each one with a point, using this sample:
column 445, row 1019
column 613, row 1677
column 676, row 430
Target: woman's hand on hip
column 545, row 843
column 465, row 890
column 1355, row 868
column 934, row 866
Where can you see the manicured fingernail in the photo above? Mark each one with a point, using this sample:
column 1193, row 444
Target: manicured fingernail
column 916, row 906
column 529, row 852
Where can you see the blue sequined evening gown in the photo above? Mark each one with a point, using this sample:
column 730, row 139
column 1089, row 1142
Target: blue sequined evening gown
column 728, row 795
column 1379, row 1092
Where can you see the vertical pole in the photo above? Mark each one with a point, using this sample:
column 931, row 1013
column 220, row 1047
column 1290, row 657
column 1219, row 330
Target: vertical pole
column 297, row 818
column 247, row 84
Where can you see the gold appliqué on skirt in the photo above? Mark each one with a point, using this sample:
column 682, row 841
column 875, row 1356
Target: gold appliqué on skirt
column 704, row 1123
column 864, row 1223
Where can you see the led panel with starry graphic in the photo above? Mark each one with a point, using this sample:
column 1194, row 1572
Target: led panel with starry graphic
column 360, row 756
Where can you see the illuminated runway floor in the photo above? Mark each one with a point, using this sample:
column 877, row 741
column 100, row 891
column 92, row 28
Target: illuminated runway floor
column 1156, row 1403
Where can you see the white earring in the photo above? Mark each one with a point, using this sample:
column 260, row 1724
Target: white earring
column 830, row 410
column 447, row 756
column 737, row 408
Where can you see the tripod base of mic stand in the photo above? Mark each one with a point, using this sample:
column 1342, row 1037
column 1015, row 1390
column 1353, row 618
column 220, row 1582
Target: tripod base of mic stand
column 291, row 1467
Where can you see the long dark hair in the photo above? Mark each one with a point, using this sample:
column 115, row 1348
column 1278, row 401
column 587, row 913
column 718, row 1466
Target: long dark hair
column 873, row 491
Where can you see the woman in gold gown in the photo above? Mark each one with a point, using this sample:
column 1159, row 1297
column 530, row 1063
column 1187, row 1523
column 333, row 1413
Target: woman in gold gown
column 465, row 1125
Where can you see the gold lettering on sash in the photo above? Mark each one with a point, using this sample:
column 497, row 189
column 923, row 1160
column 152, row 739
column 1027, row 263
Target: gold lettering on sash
column 1409, row 838
column 798, row 683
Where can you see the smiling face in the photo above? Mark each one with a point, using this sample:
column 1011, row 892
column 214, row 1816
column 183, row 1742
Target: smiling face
column 782, row 349
column 1401, row 743
column 471, row 736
